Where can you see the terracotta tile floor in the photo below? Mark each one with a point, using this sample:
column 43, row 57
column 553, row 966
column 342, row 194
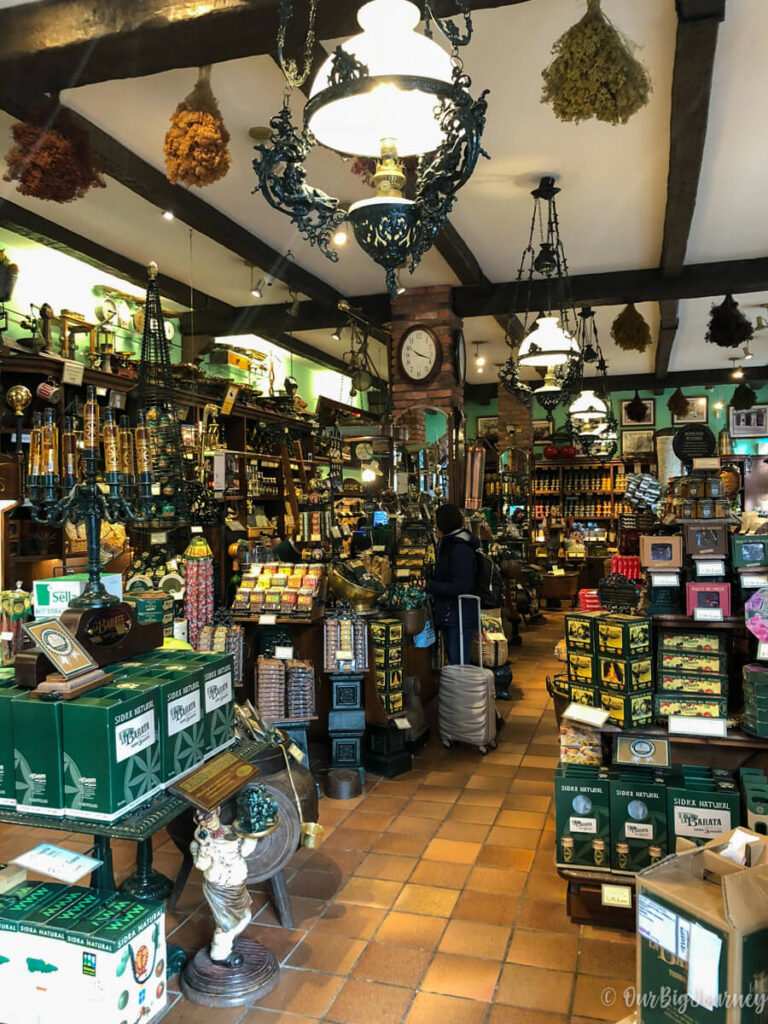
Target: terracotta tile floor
column 433, row 897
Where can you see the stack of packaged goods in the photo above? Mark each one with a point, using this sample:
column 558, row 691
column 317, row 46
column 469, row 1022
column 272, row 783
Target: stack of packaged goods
column 198, row 587
column 388, row 638
column 283, row 590
column 702, row 803
column 270, row 688
column 300, row 686
column 220, row 639
column 346, row 645
column 692, row 677
column 755, row 687
column 638, row 818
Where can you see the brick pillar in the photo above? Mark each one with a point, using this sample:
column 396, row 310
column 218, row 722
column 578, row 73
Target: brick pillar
column 514, row 413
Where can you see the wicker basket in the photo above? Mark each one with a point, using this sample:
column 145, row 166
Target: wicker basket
column 495, row 652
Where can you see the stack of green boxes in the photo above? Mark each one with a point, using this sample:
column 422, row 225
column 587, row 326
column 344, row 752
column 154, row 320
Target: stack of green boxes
column 755, row 684
column 152, row 606
column 692, row 676
column 702, row 803
column 388, row 638
column 754, row 796
column 638, row 818
column 100, row 953
column 583, row 817
column 580, row 646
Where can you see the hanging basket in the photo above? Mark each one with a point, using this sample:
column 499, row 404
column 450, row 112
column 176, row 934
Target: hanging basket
column 728, row 327
column 196, row 144
column 52, row 158
column 595, row 73
column 630, row 331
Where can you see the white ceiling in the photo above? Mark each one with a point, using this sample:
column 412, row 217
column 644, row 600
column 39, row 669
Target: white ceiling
column 613, row 179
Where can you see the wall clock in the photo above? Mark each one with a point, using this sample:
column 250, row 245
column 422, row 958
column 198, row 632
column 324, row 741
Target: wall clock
column 419, row 354
column 460, row 357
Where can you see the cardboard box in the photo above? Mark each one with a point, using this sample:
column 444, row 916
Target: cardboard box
column 587, row 695
column 661, row 552
column 689, row 707
column 580, row 630
column 389, row 680
column 218, row 686
column 700, row 809
column 705, row 596
column 623, row 636
column 39, row 755
column 51, row 597
column 581, row 668
column 153, row 606
column 698, row 640
column 112, row 752
column 696, row 684
column 387, row 632
column 627, row 710
column 392, row 701
column 582, row 817
column 713, row 663
column 388, row 657
column 7, row 770
column 749, row 550
column 703, row 935
column 638, row 819
column 629, row 675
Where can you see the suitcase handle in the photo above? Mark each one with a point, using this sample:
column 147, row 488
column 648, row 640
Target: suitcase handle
column 469, row 597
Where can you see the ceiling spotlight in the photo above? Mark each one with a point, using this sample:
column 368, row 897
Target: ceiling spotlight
column 294, row 308
column 336, row 334
column 401, row 289
column 479, row 360
column 340, row 238
column 168, row 215
column 747, row 353
column 737, row 373
column 257, row 290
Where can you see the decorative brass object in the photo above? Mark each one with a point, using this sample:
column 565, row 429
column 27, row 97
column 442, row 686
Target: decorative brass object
column 18, row 398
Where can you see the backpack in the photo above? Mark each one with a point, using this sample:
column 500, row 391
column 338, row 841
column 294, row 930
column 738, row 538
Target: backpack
column 488, row 581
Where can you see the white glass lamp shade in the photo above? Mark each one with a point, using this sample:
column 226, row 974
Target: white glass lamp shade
column 388, row 45
column 548, row 345
column 588, row 406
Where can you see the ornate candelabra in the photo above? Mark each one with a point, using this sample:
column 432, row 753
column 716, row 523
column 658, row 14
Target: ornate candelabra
column 64, row 484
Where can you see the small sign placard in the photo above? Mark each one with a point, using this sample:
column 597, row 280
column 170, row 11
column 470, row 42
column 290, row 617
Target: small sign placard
column 762, row 651
column 158, row 537
column 586, row 715
column 665, row 579
column 711, row 463
column 56, row 862
column 283, row 653
column 707, row 614
column 750, row 579
column 709, row 567
column 72, row 372
column 616, row 896
column 267, row 620
column 681, row 725
column 229, row 399
column 633, row 750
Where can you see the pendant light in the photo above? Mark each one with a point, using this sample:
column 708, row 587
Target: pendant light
column 588, row 407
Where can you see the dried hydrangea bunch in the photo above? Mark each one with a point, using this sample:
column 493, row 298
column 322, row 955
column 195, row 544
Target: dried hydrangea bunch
column 630, row 331
column 196, row 144
column 595, row 73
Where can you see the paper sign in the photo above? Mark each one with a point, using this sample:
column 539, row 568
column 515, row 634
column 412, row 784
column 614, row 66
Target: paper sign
column 5, row 635
column 664, row 579
column 586, row 715
column 709, row 567
column 557, row 571
column 158, row 537
column 616, row 896
column 657, row 924
column 72, row 372
column 267, row 620
column 762, row 651
column 283, row 653
column 752, row 580
column 63, row 865
column 707, row 614
column 229, row 399
column 344, row 656
column 708, row 463
column 681, row 725
column 704, row 966
column 401, row 723
column 195, row 529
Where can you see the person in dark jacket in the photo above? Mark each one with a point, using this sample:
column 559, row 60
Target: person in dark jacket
column 455, row 573
column 286, row 550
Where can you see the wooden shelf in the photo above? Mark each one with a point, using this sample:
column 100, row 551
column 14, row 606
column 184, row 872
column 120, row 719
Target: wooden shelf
column 734, row 622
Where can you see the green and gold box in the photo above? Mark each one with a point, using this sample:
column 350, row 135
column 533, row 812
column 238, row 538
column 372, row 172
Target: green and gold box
column 623, row 636
column 582, row 817
column 665, row 705
column 7, row 770
column 388, row 657
column 684, row 640
column 218, row 686
column 701, row 662
column 580, row 630
column 627, row 710
column 392, row 701
column 700, row 809
column 625, row 675
column 112, row 752
column 581, row 668
column 389, row 680
column 638, row 819
column 387, row 632
column 39, row 755
column 586, row 695
column 688, row 682
column 152, row 606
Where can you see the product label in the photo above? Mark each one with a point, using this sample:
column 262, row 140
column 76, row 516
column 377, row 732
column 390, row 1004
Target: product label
column 218, row 692
column 183, row 712
column 704, row 823
column 657, row 924
column 583, row 825
column 135, row 735
column 633, row 830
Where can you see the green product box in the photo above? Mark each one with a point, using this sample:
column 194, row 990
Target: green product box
column 7, row 770
column 674, row 640
column 26, row 898
column 387, row 632
column 392, row 701
column 388, row 657
column 389, row 680
column 112, row 752
column 581, row 668
column 699, row 811
column 152, row 606
column 756, row 675
column 218, row 686
column 67, row 900
column 623, row 636
column 696, row 911
column 39, row 755
column 712, row 663
column 638, row 820
column 582, row 818
column 688, row 682
column 749, row 550
column 587, row 695
column 629, row 675
column 627, row 710
column 691, row 707
column 580, row 631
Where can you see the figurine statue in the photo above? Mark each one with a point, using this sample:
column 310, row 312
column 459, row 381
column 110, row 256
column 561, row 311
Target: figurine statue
column 220, row 855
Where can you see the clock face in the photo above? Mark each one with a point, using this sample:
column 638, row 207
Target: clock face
column 461, row 357
column 419, row 353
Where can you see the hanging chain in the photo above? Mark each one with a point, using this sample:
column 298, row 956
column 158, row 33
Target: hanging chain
column 294, row 77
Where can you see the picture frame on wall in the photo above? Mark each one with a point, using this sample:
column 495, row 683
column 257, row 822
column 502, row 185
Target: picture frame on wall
column 697, row 412
column 542, row 431
column 637, row 443
column 487, row 425
column 649, row 418
column 749, row 422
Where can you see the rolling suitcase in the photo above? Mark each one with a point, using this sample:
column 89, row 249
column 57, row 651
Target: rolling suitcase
column 466, row 704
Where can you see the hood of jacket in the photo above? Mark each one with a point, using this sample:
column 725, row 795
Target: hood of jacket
column 463, row 535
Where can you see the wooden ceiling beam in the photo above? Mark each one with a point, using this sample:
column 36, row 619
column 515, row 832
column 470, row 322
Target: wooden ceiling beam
column 62, row 44
column 695, row 47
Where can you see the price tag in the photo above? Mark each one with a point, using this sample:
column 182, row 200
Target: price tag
column 586, row 715
column 229, row 399
column 57, row 863
column 752, row 580
column 5, row 635
column 195, row 529
column 267, row 620
column 403, row 573
column 344, row 655
column 616, row 896
column 664, row 579
column 708, row 463
column 296, row 753
column 707, row 614
column 379, row 549
column 762, row 651
column 283, row 653
column 709, row 567
column 681, row 725
column 159, row 536
column 72, row 372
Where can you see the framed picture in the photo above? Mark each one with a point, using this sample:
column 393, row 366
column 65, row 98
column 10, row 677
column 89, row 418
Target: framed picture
column 487, row 425
column 636, row 443
column 698, row 411
column 649, row 417
column 542, row 431
column 749, row 422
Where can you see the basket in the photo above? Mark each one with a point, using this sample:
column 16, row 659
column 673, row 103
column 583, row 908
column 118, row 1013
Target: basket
column 413, row 619
column 495, row 652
